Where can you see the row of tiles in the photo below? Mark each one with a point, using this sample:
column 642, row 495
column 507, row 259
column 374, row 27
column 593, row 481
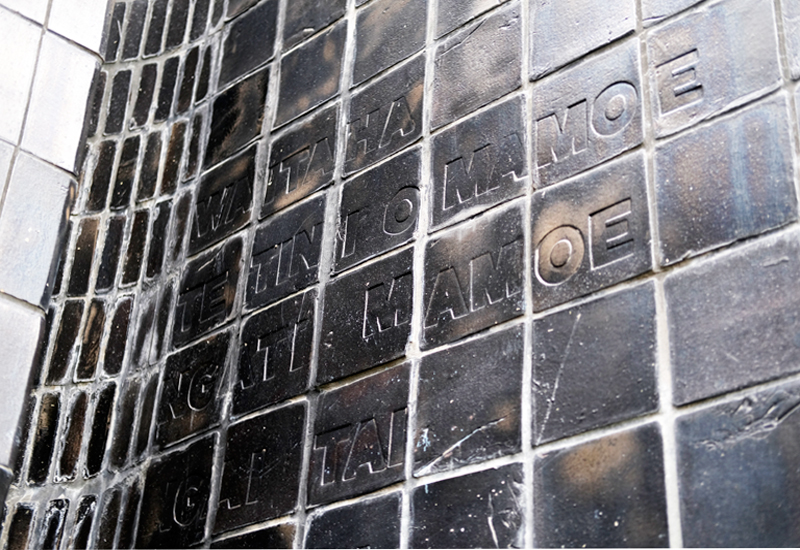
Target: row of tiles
column 731, row 323
column 605, row 492
column 703, row 71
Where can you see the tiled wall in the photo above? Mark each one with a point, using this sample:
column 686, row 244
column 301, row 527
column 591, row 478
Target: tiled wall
column 422, row 273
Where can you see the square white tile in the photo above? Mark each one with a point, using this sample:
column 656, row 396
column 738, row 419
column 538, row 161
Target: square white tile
column 34, row 9
column 79, row 20
column 58, row 102
column 19, row 42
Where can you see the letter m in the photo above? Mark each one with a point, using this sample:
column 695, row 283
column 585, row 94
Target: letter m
column 387, row 306
column 493, row 281
column 558, row 138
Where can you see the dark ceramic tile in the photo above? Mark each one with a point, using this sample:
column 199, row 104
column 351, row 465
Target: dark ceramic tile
column 126, row 416
column 114, row 32
column 261, row 477
column 373, row 523
column 454, row 13
column 145, row 95
column 148, row 172
column 166, row 93
column 654, row 11
column 478, row 163
column 473, row 277
column 235, row 7
column 155, row 253
column 468, row 403
column 587, row 114
column 385, row 116
column 710, row 60
column 51, row 529
column 594, row 365
column 109, row 260
column 223, row 202
column 388, row 31
column 118, row 102
column 178, row 16
column 19, row 526
column 175, row 499
column 193, row 152
column 477, row 65
column 96, row 103
column 172, row 163
column 136, row 244
column 379, row 210
column 101, row 425
column 305, row 17
column 90, row 341
column 84, row 257
column 310, row 74
column 724, row 182
column 733, row 321
column 203, row 81
column 250, row 41
column 301, row 161
column 481, row 510
column 137, row 17
column 238, row 113
column 82, row 526
column 118, row 337
column 65, row 338
column 127, row 525
column 739, row 483
column 608, row 493
column 145, row 417
column 207, row 292
column 278, row 536
column 108, row 521
column 192, row 390
column 286, row 253
column 44, row 439
column 275, row 354
column 101, row 177
column 590, row 233
column 72, row 440
column 126, row 173
column 180, row 223
column 360, row 437
column 367, row 317
column 186, row 89
column 564, row 31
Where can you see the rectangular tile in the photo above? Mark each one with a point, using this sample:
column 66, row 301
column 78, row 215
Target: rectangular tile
column 477, row 65
column 359, row 437
column 564, row 31
column 304, row 17
column 250, row 41
column 369, row 523
column 607, row 493
column 286, row 253
column 81, row 21
column 261, row 475
column 469, row 403
column 385, row 116
column 366, row 319
column 590, row 232
column 453, row 13
column 732, row 319
column 725, row 182
column 473, row 277
column 790, row 13
column 654, row 11
column 587, row 114
column 710, row 60
column 21, row 37
column 595, row 364
column 478, row 163
column 379, row 210
column 275, row 354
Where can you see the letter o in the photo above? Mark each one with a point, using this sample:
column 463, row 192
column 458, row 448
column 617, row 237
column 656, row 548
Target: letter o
column 614, row 108
column 559, row 255
column 402, row 211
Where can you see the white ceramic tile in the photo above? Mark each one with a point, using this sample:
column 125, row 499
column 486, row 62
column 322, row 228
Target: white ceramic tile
column 79, row 20
column 58, row 102
column 21, row 332
column 19, row 40
column 6, row 152
column 34, row 9
column 32, row 224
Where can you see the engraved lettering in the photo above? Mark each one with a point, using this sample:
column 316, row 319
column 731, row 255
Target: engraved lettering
column 366, row 451
column 399, row 122
column 188, row 501
column 202, row 388
column 294, row 171
column 222, row 208
column 401, row 212
column 614, row 108
column 557, row 140
column 492, row 281
column 364, row 134
column 559, row 255
column 447, row 299
column 289, row 258
column 677, row 82
column 387, row 306
column 462, row 181
column 351, row 227
column 398, row 437
column 333, row 443
column 609, row 234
